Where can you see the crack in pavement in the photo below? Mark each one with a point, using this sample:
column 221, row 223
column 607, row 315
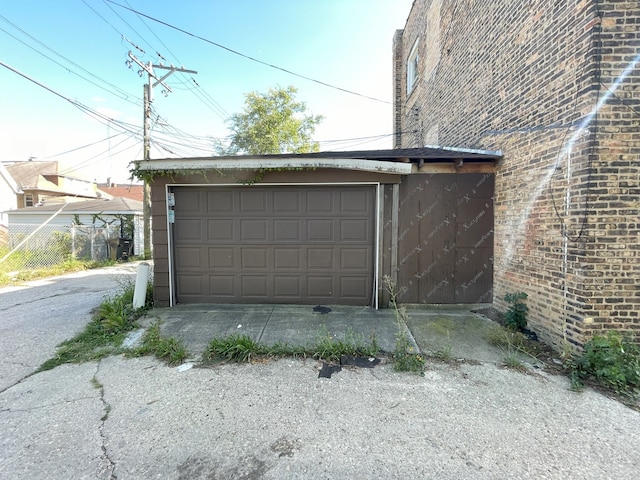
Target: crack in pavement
column 106, row 462
column 47, row 405
column 32, row 301
column 18, row 382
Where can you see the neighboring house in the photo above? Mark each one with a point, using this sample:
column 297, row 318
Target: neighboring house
column 323, row 228
column 40, row 181
column 116, row 218
column 9, row 192
column 555, row 87
column 134, row 192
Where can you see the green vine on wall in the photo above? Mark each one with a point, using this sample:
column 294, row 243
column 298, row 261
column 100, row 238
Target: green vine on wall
column 149, row 176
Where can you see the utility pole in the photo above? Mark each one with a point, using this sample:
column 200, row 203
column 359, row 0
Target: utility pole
column 148, row 99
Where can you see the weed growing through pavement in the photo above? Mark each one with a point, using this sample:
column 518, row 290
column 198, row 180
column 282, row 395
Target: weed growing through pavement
column 513, row 344
column 103, row 335
column 171, row 350
column 242, row 348
column 444, row 354
column 234, row 348
column 405, row 358
column 329, row 348
column 512, row 361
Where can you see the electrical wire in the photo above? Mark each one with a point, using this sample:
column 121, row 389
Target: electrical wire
column 120, row 93
column 83, row 146
column 200, row 94
column 104, row 119
column 114, row 28
column 621, row 100
column 98, row 157
column 248, row 57
column 592, row 142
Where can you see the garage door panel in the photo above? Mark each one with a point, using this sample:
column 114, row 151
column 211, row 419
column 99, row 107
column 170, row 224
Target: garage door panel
column 287, row 286
column 222, row 258
column 222, row 286
column 189, row 230
column 190, row 203
column 287, row 203
column 221, row 230
column 287, row 230
column 354, row 258
column 188, row 258
column 275, row 244
column 220, row 201
column 191, row 285
column 319, row 201
column 320, row 230
column 354, row 202
column 254, row 258
column 354, row 287
column 320, row 286
column 254, row 286
column 353, row 230
column 253, row 201
column 320, row 258
column 254, row 230
column 287, row 258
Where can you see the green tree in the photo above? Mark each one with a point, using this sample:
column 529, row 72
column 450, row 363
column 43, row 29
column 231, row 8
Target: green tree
column 271, row 123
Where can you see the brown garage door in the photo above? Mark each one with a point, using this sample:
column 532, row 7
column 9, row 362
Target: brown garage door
column 445, row 245
column 279, row 244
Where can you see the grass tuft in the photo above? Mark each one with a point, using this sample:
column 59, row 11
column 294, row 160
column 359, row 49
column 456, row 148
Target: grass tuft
column 242, row 348
column 170, row 350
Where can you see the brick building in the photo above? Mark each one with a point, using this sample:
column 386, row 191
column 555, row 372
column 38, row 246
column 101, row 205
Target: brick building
column 555, row 86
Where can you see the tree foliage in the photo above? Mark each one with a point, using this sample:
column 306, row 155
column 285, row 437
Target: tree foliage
column 271, row 123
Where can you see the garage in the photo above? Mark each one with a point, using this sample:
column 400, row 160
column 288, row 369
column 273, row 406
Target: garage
column 323, row 228
column 295, row 244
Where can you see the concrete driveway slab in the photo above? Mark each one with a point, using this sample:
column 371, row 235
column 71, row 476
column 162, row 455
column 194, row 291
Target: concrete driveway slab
column 50, row 426
column 38, row 315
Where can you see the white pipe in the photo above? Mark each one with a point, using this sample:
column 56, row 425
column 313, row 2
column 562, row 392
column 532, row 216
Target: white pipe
column 140, row 291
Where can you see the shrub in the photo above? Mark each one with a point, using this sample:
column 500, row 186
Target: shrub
column 612, row 360
column 516, row 316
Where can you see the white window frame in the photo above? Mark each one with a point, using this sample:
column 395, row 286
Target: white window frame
column 412, row 67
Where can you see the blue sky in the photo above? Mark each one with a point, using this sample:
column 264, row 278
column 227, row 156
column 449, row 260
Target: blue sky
column 78, row 48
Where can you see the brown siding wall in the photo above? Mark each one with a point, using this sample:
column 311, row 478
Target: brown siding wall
column 526, row 79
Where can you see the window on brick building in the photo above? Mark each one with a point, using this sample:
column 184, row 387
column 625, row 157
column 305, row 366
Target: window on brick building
column 412, row 68
column 28, row 199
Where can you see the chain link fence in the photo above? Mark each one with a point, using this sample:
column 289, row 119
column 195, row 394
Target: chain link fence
column 38, row 246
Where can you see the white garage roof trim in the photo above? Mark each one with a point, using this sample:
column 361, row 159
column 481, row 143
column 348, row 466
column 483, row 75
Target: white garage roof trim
column 293, row 163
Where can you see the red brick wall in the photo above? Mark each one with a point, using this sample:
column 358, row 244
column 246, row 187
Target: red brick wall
column 525, row 78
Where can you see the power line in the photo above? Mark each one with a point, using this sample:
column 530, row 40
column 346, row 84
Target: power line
column 118, row 93
column 200, row 94
column 88, row 111
column 84, row 146
column 114, row 28
column 98, row 157
column 253, row 59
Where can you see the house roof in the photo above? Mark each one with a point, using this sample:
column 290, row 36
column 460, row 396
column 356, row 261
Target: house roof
column 9, row 180
column 114, row 206
column 396, row 161
column 44, row 177
column 27, row 174
column 133, row 192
